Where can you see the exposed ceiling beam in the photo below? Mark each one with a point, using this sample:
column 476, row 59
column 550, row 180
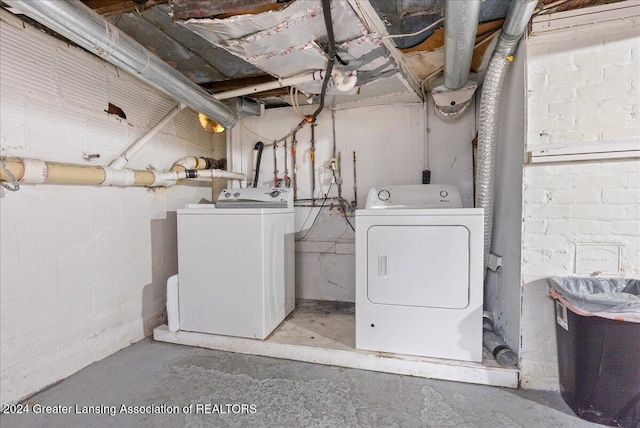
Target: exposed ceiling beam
column 118, row 7
column 186, row 9
column 227, row 85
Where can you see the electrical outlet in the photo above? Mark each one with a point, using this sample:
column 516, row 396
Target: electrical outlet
column 334, row 163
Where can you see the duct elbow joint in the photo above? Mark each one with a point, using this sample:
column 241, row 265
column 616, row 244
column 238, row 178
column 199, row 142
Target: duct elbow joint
column 450, row 105
column 451, row 113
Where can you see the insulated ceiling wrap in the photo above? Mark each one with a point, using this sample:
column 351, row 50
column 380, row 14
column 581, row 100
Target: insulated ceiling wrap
column 292, row 40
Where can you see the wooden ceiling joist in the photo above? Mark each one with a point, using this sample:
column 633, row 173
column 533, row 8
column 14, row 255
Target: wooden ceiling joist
column 118, row 7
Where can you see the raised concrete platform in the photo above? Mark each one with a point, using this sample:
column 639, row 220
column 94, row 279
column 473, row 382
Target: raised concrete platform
column 323, row 333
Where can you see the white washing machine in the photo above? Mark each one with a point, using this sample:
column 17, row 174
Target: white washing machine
column 236, row 263
column 419, row 276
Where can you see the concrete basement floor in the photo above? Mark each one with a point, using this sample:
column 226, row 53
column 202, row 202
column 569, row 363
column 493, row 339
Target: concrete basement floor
column 283, row 393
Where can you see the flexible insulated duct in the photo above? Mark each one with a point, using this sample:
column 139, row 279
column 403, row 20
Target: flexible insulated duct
column 487, row 136
column 518, row 17
column 78, row 23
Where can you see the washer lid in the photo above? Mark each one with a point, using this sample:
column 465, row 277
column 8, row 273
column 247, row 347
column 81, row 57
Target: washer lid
column 414, row 196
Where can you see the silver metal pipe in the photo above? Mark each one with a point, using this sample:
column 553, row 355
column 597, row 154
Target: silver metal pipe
column 460, row 27
column 78, row 23
column 244, row 106
column 514, row 26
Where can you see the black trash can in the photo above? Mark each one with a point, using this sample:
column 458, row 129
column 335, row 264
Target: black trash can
column 599, row 348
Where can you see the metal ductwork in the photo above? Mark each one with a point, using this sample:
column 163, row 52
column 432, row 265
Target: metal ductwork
column 460, row 27
column 78, row 23
column 243, row 106
column 514, row 27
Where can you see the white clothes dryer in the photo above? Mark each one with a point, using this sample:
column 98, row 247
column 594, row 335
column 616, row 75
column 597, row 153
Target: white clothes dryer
column 419, row 276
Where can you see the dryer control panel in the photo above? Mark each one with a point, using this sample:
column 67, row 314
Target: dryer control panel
column 414, row 196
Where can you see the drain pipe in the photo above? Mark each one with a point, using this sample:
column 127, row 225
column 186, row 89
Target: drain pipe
column 494, row 343
column 514, row 27
column 460, row 26
column 276, row 84
column 36, row 171
column 78, row 23
column 193, row 162
column 123, row 159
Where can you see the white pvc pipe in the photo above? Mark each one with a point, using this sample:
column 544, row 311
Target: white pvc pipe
column 342, row 84
column 134, row 148
column 169, row 178
column 118, row 177
column 173, row 307
column 280, row 83
column 210, row 173
column 36, row 171
column 189, row 162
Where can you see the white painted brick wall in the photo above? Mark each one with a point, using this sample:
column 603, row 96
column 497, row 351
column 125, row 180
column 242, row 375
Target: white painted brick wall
column 83, row 269
column 581, row 88
column 583, row 84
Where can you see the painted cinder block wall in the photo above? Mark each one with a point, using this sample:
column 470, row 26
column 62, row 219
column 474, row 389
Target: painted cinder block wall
column 82, row 269
column 393, row 144
column 582, row 88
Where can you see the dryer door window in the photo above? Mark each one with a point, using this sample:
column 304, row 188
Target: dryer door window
column 425, row 266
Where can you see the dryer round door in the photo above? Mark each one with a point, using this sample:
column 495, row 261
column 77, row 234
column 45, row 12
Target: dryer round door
column 418, row 265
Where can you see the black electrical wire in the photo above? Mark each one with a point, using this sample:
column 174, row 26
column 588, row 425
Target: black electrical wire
column 326, row 12
column 344, row 212
column 342, row 205
column 340, row 60
column 326, row 196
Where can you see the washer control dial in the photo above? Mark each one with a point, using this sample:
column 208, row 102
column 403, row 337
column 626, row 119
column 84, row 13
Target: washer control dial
column 237, row 194
column 226, row 195
column 384, row 195
column 444, row 193
column 275, row 193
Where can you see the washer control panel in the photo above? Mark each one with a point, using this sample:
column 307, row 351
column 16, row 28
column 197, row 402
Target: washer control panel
column 256, row 197
column 414, row 196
